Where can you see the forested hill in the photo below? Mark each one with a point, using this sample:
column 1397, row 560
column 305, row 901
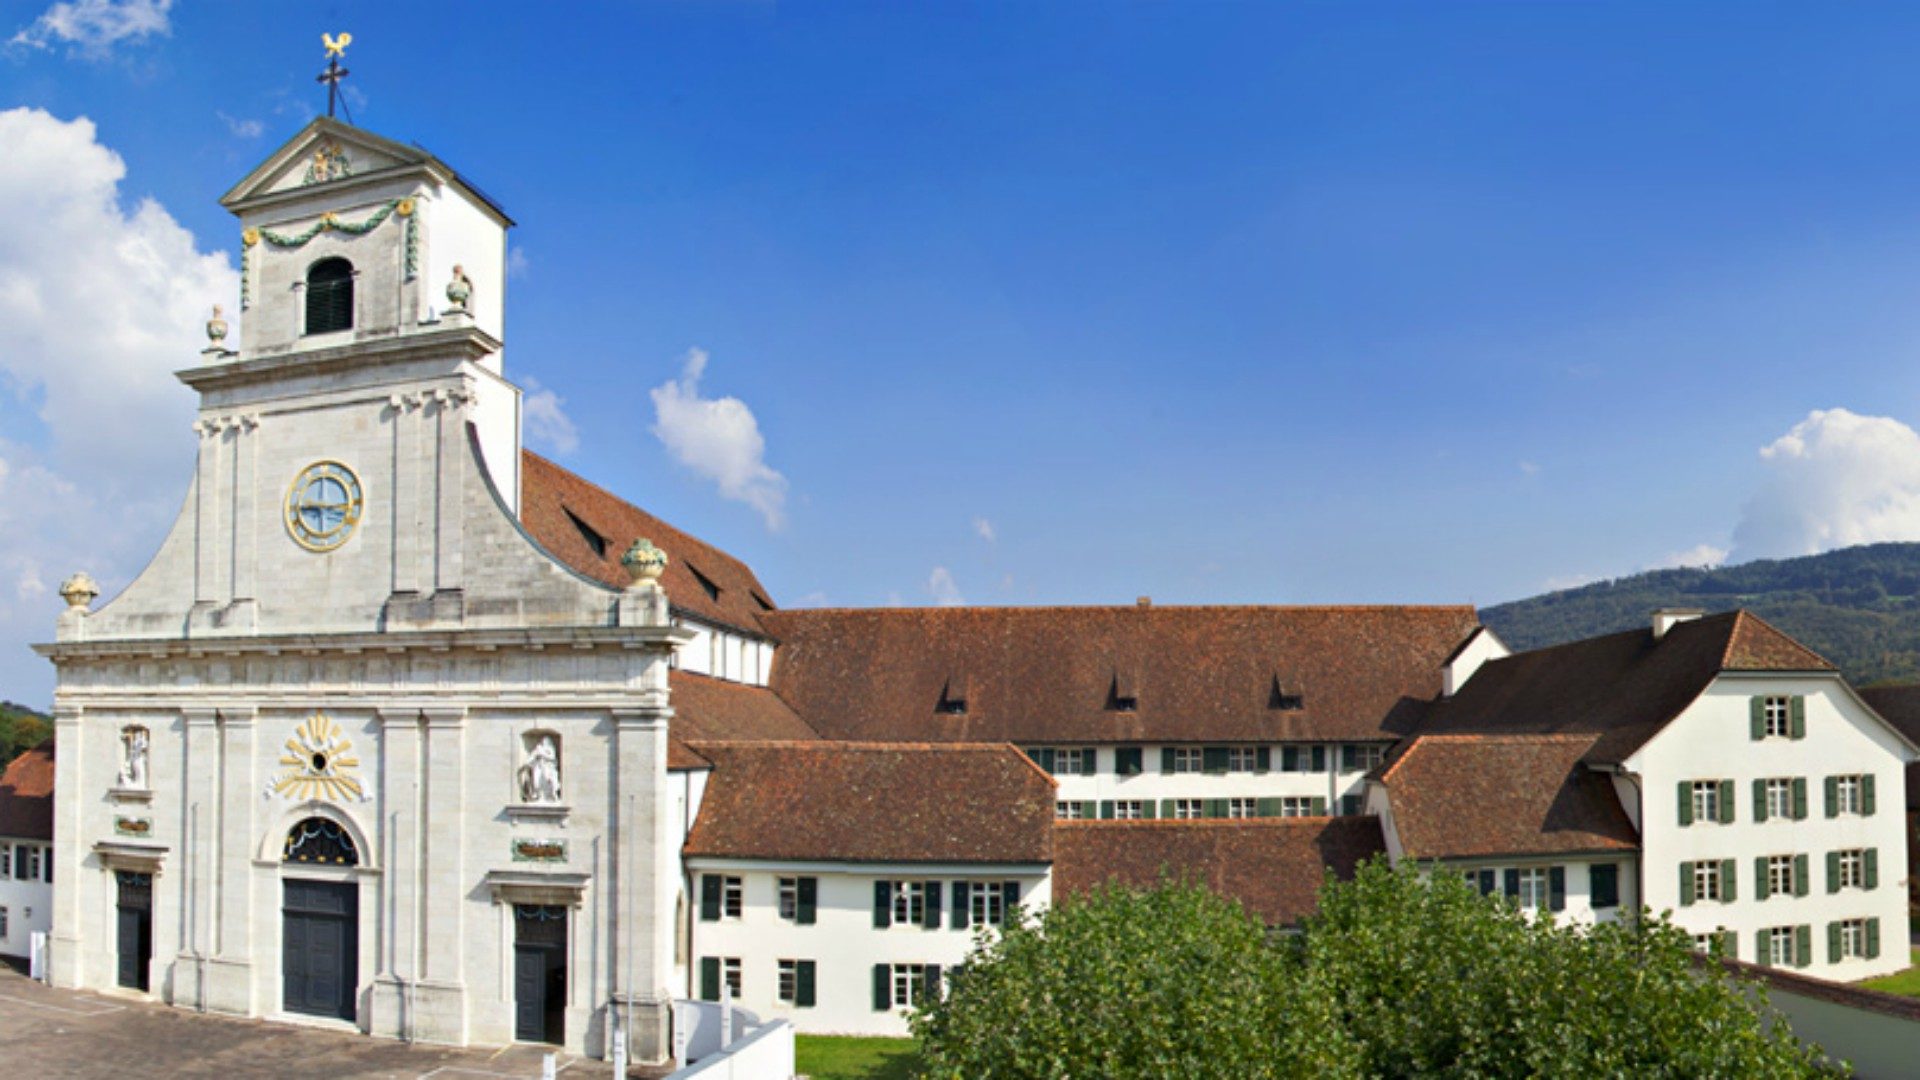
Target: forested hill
column 1858, row 607
column 20, row 729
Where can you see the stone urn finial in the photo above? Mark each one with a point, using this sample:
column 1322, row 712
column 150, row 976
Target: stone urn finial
column 460, row 289
column 645, row 562
column 79, row 591
column 216, row 330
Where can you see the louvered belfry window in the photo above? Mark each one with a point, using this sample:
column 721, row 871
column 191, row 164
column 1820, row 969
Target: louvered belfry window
column 330, row 296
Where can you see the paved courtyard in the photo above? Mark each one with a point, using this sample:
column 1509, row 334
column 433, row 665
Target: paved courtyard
column 49, row 1033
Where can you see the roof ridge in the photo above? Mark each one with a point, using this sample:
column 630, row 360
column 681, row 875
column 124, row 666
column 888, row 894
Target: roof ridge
column 1321, row 821
column 985, row 608
column 862, row 745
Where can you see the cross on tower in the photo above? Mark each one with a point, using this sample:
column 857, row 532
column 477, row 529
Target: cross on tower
column 336, row 48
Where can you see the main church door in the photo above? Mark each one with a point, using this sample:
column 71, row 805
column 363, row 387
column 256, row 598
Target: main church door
column 539, row 973
column 320, row 926
column 133, row 917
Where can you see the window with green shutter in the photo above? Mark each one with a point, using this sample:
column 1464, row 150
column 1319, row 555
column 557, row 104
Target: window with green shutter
column 1757, row 716
column 1686, row 802
column 1799, row 798
column 1873, row 868
column 1728, row 892
column 809, row 897
column 1686, row 884
column 710, row 901
column 1759, row 800
column 1802, row 945
column 1800, row 875
column 1726, row 802
column 1798, row 705
column 1128, row 760
column 709, row 978
column 803, row 991
column 1166, row 760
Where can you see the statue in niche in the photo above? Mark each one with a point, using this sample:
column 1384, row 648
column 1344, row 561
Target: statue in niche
column 540, row 776
column 133, row 758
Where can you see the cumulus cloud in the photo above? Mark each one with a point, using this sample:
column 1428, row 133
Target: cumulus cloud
column 984, row 529
column 517, row 265
column 94, row 27
column 1835, row 479
column 1699, row 555
column 100, row 303
column 718, row 439
column 944, row 590
column 241, row 129
column 545, row 417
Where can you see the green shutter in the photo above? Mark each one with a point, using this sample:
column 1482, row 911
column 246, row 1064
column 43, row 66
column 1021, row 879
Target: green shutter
column 1319, row 807
column 1760, row 891
column 1263, row 759
column 931, row 973
column 1759, row 800
column 1730, row 944
column 1833, row 796
column 1762, row 948
column 1106, row 809
column 709, row 898
column 1797, row 711
column 1166, row 808
column 1873, row 939
column 1289, row 759
column 1833, row 871
column 1268, row 807
column 1319, row 759
column 1686, row 884
column 882, row 988
column 709, row 978
column 1729, row 892
column 1166, row 759
column 1866, row 795
column 809, row 900
column 882, row 904
column 1757, row 715
column 803, row 984
column 1511, row 884
column 1349, row 757
column 1557, row 888
column 1047, row 759
column 1213, row 759
column 1147, row 808
column 1726, row 802
column 1802, row 946
column 1009, row 902
column 1833, row 943
column 1801, row 874
column 931, row 919
column 1799, row 798
column 1216, row 808
column 1090, row 761
column 1873, row 868
column 1686, row 802
column 962, row 903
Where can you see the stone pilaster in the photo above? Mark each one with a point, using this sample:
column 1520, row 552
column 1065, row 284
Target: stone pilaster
column 642, row 882
column 67, row 949
column 442, row 992
column 400, row 914
column 194, row 890
column 450, row 526
column 230, row 972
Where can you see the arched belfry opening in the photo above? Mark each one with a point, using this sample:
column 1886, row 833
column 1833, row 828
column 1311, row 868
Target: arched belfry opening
column 329, row 296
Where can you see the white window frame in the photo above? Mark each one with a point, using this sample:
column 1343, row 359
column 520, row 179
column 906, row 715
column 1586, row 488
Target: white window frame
column 5, row 930
column 1533, row 888
column 1853, row 939
column 909, row 903
column 1243, row 807
column 787, row 982
column 1188, row 759
column 987, row 903
column 1128, row 809
column 6, row 861
column 32, row 852
column 730, row 974
column 1853, row 868
column 1070, row 760
column 1780, row 798
column 1706, row 801
column 1189, row 809
column 1070, row 810
column 733, row 898
column 1242, row 759
column 1368, row 756
column 1779, row 717
column 1780, row 875
column 1296, row 806
column 789, row 891
column 909, row 984
column 1706, row 880
column 1846, row 794
column 1779, row 946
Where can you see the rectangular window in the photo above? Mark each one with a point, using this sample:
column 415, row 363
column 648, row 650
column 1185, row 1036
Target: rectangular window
column 1128, row 810
column 26, row 862
column 1706, row 880
column 1779, row 722
column 1242, row 759
column 1243, row 808
column 1367, row 757
column 6, row 861
column 1779, row 946
column 1780, row 875
column 730, row 898
column 789, row 898
column 1706, row 943
column 1533, row 889
column 987, row 903
column 1846, row 791
column 1853, row 938
column 1070, row 810
column 909, row 985
column 1706, row 800
column 1780, row 798
column 1603, row 885
column 1189, row 809
column 3, row 924
column 910, row 902
column 1186, row 759
column 1852, row 869
column 46, row 867
column 789, row 981
column 1296, row 806
column 1073, row 762
column 1128, row 760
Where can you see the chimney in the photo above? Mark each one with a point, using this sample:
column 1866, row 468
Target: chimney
column 1144, row 601
column 1667, row 618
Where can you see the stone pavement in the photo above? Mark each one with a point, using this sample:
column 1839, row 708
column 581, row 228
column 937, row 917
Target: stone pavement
column 53, row 1034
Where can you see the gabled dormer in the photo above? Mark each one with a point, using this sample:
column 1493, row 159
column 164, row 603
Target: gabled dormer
column 348, row 237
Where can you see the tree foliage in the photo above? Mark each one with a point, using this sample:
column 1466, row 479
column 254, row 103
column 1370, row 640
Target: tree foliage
column 21, row 729
column 1399, row 974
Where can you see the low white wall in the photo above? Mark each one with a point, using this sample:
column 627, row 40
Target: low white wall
column 767, row 1054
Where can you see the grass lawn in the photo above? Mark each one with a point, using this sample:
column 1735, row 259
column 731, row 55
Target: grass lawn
column 1900, row 982
column 832, row 1057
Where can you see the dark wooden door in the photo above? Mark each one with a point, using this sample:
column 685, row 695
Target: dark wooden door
column 320, row 948
column 539, row 973
column 134, row 927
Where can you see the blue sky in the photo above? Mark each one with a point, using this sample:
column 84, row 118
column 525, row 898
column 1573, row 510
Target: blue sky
column 1067, row 302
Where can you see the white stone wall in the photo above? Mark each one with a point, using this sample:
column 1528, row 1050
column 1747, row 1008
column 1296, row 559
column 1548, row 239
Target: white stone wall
column 1577, row 870
column 1331, row 783
column 1711, row 740
column 724, row 654
column 843, row 942
column 28, row 902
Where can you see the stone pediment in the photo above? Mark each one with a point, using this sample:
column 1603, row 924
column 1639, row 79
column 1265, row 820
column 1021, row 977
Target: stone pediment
column 325, row 156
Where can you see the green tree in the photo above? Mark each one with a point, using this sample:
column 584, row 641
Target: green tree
column 21, row 729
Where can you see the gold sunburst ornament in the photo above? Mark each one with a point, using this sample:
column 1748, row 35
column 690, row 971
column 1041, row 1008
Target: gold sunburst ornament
column 319, row 759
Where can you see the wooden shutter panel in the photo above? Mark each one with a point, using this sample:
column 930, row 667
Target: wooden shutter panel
column 709, row 898
column 709, row 978
column 1762, row 947
column 882, row 988
column 1216, row 808
column 882, row 904
column 1760, row 882
column 1047, row 759
column 1213, row 759
column 1833, row 871
column 1106, row 809
column 1866, row 795
column 1802, row 946
column 1512, row 883
column 931, row 987
column 1267, row 808
column 962, row 903
column 1873, row 938
column 1801, row 873
column 1289, row 759
column 1730, row 944
column 1728, row 892
column 1319, row 806
column 1557, row 888
column 1349, row 757
column 1263, row 759
column 1009, row 901
column 1797, row 716
column 809, row 897
column 1319, row 759
column 1873, row 868
column 1833, row 943
column 1757, row 714
column 1833, row 796
column 1166, row 759
column 1799, row 798
column 1686, row 802
column 1147, row 808
column 932, row 919
column 1486, row 883
column 1166, row 808
column 1090, row 761
column 1726, row 802
column 1759, row 800
column 803, row 982
column 1686, row 884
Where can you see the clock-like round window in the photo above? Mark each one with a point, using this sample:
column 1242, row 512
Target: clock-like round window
column 323, row 506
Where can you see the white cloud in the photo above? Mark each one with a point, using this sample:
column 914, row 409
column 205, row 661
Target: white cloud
column 547, row 423
column 99, row 304
column 1835, row 479
column 718, row 439
column 94, row 27
column 1559, row 582
column 1528, row 468
column 944, row 590
column 984, row 529
column 517, row 265
column 1699, row 555
column 241, row 129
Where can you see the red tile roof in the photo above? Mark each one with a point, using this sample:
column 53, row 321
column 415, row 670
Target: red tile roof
column 873, row 803
column 1466, row 796
column 549, row 494
column 1053, row 674
column 26, row 795
column 1273, row 866
column 1622, row 687
column 706, row 708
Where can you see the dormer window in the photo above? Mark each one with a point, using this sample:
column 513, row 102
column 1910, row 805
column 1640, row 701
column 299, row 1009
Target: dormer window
column 713, row 591
column 588, row 533
column 329, row 296
column 953, row 698
column 1122, row 694
column 1278, row 698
